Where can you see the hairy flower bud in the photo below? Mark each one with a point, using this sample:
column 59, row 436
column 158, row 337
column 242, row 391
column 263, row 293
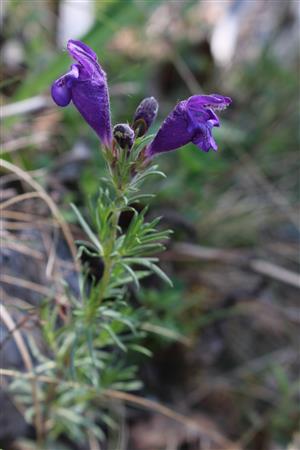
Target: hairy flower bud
column 145, row 115
column 124, row 135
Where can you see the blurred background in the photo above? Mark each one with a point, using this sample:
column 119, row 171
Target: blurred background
column 231, row 360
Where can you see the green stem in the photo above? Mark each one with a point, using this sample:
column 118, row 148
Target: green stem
column 107, row 257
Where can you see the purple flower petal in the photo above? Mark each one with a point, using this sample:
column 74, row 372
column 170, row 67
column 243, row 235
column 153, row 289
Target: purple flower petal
column 204, row 140
column 191, row 120
column 61, row 89
column 77, row 47
column 86, row 58
column 85, row 84
column 213, row 101
column 173, row 133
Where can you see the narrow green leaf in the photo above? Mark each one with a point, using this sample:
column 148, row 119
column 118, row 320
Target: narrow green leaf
column 125, row 280
column 160, row 273
column 149, row 262
column 141, row 349
column 114, row 337
column 82, row 249
column 132, row 274
column 87, row 229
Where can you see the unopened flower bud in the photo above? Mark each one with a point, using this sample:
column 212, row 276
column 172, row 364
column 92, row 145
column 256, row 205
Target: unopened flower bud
column 145, row 115
column 124, row 135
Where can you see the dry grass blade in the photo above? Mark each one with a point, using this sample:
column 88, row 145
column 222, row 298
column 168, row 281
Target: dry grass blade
column 11, row 326
column 189, row 252
column 18, row 199
column 50, row 245
column 164, row 410
column 11, row 177
column 42, row 193
column 4, row 278
column 276, row 272
column 26, row 217
column 17, row 225
column 15, row 332
column 22, row 248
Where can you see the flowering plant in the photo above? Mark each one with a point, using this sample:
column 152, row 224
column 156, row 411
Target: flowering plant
column 87, row 353
column 129, row 157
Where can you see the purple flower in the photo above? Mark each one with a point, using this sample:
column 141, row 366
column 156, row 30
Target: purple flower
column 85, row 84
column 191, row 120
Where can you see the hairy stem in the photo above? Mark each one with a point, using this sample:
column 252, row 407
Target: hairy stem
column 108, row 257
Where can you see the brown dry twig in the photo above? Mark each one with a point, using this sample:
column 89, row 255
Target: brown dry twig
column 8, row 279
column 190, row 252
column 22, row 248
